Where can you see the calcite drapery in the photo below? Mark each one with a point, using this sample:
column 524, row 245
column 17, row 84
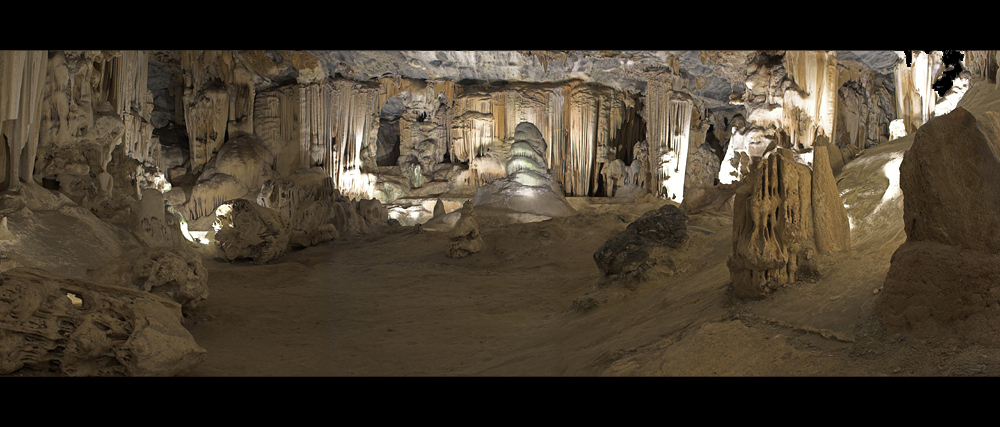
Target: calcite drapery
column 668, row 118
column 22, row 79
column 336, row 122
column 865, row 107
column 915, row 95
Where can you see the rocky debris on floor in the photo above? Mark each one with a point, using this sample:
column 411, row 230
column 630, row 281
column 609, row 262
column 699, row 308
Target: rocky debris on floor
column 71, row 327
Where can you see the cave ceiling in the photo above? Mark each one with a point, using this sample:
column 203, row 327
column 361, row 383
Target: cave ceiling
column 714, row 72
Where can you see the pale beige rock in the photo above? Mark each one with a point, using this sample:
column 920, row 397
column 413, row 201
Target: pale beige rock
column 943, row 279
column 833, row 231
column 248, row 230
column 465, row 237
column 950, row 189
column 169, row 272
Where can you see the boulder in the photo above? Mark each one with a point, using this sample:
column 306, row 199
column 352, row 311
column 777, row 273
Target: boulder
column 625, row 255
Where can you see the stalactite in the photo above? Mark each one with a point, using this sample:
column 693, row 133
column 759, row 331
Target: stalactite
column 915, row 96
column 22, row 75
column 338, row 120
column 669, row 126
column 582, row 141
column 276, row 122
column 812, row 107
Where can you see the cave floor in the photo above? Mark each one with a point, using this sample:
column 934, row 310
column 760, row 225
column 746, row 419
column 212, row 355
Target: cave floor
column 392, row 304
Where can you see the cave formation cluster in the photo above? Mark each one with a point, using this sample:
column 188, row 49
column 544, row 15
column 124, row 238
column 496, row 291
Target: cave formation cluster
column 166, row 156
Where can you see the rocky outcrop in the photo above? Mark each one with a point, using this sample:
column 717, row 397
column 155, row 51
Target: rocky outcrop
column 316, row 212
column 625, row 256
column 72, row 327
column 171, row 273
column 944, row 277
column 776, row 227
column 248, row 230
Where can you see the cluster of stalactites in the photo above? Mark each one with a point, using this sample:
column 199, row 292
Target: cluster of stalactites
column 218, row 100
column 668, row 121
column 337, row 122
column 22, row 80
column 811, row 109
column 133, row 101
column 915, row 95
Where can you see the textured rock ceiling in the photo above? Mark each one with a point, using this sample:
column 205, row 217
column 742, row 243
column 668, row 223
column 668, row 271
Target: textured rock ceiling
column 626, row 70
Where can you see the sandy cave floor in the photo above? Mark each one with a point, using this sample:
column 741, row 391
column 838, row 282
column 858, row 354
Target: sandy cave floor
column 392, row 304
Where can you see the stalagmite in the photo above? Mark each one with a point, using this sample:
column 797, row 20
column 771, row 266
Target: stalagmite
column 528, row 186
column 465, row 237
column 772, row 227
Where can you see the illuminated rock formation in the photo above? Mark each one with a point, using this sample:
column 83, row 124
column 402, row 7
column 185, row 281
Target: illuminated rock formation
column 80, row 328
column 245, row 229
column 528, row 186
column 164, row 271
column 337, row 121
column 944, row 277
column 668, row 118
column 316, row 212
column 915, row 95
column 276, row 115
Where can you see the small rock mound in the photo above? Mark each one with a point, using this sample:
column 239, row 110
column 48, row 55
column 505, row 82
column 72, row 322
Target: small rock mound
column 625, row 255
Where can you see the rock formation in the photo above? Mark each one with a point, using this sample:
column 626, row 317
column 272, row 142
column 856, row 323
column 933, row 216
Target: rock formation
column 465, row 237
column 245, row 229
column 77, row 328
column 171, row 273
column 944, row 277
column 625, row 256
column 528, row 186
column 782, row 215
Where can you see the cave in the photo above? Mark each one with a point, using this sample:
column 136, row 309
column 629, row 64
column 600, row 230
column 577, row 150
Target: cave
column 217, row 213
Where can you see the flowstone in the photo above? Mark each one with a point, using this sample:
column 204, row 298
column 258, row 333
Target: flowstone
column 77, row 328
